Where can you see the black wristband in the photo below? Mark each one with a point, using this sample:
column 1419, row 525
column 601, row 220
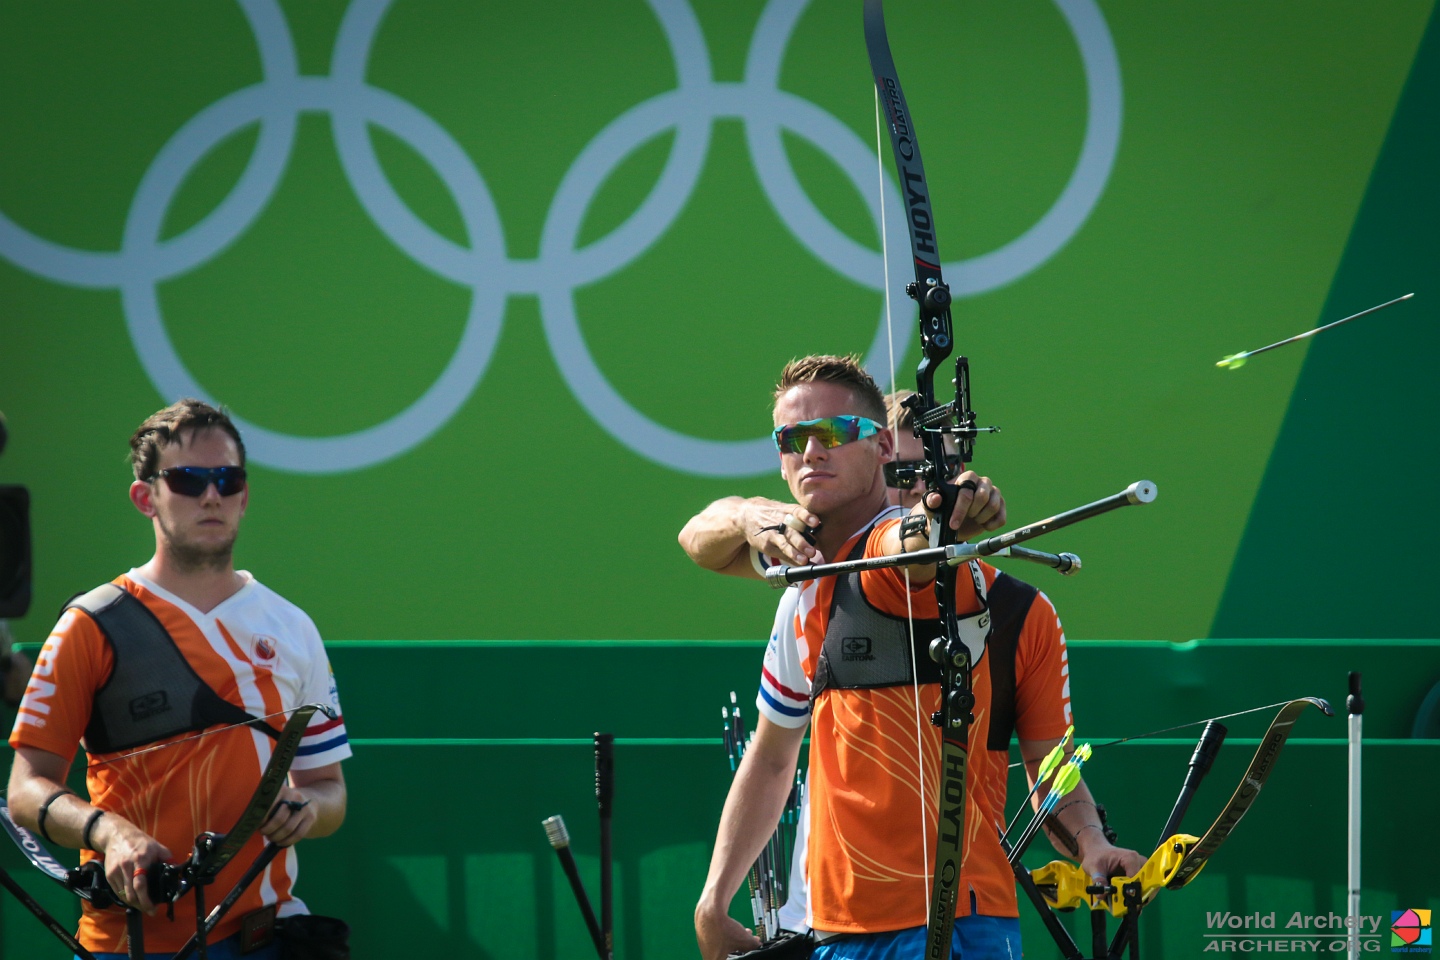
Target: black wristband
column 86, row 844
column 45, row 811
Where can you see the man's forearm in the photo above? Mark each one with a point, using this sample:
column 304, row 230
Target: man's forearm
column 1076, row 813
column 715, row 536
column 65, row 817
column 329, row 800
column 35, row 778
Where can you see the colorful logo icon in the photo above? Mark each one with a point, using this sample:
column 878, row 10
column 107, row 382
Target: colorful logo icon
column 1410, row 931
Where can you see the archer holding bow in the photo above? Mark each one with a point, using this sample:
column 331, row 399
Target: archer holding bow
column 136, row 669
column 847, row 659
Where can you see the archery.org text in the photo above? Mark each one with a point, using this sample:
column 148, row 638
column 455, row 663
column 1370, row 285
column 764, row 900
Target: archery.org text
column 1300, row 933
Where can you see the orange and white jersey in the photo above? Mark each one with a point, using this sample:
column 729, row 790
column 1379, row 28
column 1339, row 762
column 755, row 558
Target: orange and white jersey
column 256, row 650
column 871, row 837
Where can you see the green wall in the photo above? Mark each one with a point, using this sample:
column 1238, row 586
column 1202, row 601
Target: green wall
column 1351, row 424
column 456, row 763
column 499, row 290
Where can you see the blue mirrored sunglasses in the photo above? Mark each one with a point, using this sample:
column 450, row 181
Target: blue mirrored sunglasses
column 193, row 481
column 830, row 431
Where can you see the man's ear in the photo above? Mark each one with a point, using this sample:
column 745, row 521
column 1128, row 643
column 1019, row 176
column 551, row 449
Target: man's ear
column 886, row 438
column 142, row 495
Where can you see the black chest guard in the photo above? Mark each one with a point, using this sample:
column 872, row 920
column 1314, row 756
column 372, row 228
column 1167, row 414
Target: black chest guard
column 153, row 693
column 866, row 648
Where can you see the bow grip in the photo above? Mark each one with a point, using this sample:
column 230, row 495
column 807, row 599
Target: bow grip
column 163, row 882
column 940, row 533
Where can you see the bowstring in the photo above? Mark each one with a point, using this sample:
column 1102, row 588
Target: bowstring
column 1179, row 726
column 895, row 433
column 207, row 733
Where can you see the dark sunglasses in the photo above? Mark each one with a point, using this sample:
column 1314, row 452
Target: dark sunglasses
column 193, row 481
column 902, row 474
column 830, row 431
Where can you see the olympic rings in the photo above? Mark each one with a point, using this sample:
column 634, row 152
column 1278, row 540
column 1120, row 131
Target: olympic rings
column 690, row 110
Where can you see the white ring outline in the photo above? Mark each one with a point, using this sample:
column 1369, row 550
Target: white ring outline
column 276, row 102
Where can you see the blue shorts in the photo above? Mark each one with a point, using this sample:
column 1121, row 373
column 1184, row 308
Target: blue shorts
column 227, row 949
column 975, row 938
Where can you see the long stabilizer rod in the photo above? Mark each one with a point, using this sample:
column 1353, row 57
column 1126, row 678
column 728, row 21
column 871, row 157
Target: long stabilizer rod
column 559, row 838
column 1139, row 492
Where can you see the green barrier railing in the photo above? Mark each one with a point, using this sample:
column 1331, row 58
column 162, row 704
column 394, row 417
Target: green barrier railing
column 462, row 749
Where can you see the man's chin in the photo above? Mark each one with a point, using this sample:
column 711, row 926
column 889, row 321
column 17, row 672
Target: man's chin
column 819, row 503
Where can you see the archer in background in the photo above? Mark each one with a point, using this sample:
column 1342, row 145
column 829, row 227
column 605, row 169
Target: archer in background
column 837, row 662
column 187, row 643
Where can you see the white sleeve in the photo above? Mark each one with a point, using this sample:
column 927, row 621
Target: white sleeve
column 325, row 740
column 784, row 697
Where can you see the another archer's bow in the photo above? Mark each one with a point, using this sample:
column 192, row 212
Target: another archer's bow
column 168, row 882
column 214, row 851
column 933, row 421
column 1180, row 857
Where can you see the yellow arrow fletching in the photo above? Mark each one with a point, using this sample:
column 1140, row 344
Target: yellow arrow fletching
column 1233, row 362
column 1053, row 759
column 1065, row 781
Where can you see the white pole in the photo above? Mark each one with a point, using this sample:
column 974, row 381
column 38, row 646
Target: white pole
column 1355, row 705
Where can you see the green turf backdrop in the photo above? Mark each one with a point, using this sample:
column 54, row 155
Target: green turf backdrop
column 1273, row 172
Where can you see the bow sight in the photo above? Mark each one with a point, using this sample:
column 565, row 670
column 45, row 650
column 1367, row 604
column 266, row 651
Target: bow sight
column 955, row 418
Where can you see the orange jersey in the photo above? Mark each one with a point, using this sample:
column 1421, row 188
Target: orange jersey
column 873, row 815
column 255, row 650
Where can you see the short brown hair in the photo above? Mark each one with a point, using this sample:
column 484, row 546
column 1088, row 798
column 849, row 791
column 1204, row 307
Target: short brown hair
column 900, row 416
column 166, row 426
column 846, row 371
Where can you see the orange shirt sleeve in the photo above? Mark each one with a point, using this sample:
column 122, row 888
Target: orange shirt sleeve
column 1042, row 675
column 74, row 662
column 885, row 588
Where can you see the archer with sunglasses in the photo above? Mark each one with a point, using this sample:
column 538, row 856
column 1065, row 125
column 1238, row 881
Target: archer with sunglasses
column 846, row 660
column 173, row 651
column 832, row 445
